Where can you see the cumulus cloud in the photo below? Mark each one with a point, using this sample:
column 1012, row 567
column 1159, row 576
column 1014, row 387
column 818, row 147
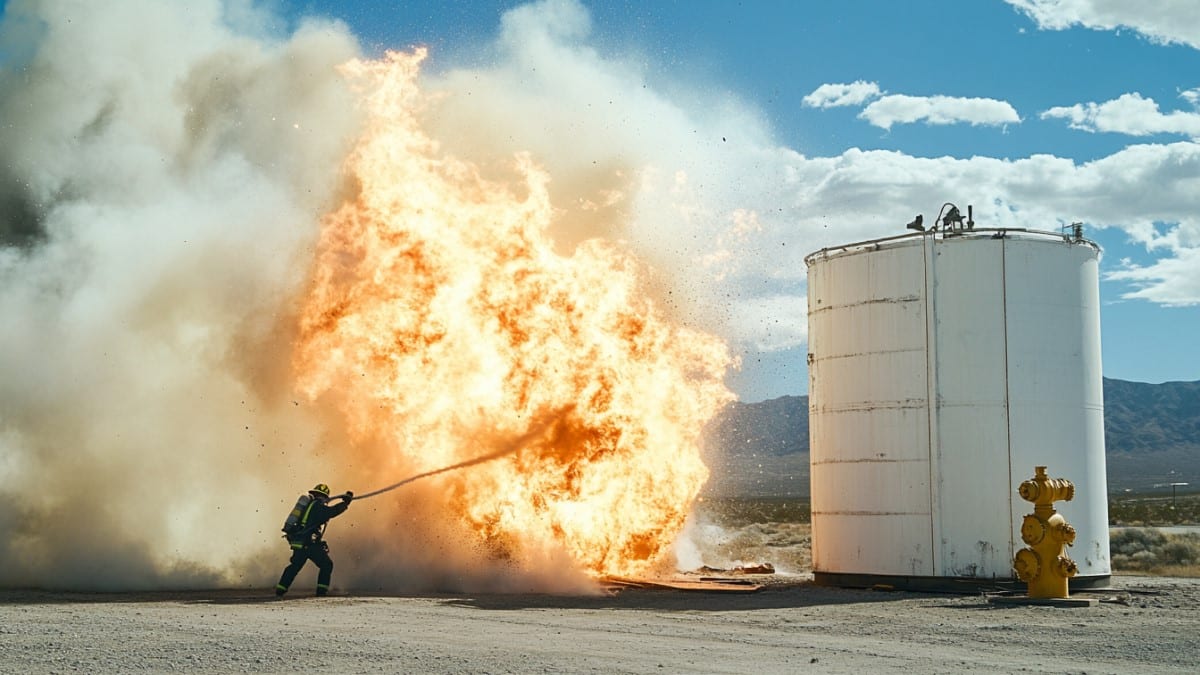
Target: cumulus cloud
column 835, row 95
column 902, row 109
column 1129, row 114
column 1144, row 190
column 1171, row 282
column 886, row 111
column 1163, row 21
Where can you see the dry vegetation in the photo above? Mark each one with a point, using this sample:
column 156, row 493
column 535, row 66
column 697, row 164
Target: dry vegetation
column 773, row 531
column 772, row 527
column 736, row 512
column 1139, row 550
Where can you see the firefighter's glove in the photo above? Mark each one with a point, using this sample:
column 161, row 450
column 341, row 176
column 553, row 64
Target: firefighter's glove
column 349, row 496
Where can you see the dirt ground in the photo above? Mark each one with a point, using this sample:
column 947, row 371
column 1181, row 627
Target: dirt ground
column 1144, row 624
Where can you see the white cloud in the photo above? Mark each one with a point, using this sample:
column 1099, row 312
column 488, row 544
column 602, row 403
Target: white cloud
column 835, row 95
column 1192, row 96
column 1163, row 21
column 893, row 109
column 1170, row 281
column 902, row 109
column 1129, row 114
column 1137, row 190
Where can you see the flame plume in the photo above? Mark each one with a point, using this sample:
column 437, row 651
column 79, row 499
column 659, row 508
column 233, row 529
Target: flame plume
column 442, row 319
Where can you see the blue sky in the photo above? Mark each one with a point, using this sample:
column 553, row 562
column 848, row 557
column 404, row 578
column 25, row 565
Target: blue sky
column 762, row 131
column 1017, row 80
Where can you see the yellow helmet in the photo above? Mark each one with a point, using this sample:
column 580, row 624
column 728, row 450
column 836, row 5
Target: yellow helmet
column 320, row 489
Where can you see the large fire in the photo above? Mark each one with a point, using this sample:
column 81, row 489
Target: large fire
column 445, row 325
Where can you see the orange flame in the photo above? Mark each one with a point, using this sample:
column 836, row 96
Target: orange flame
column 440, row 309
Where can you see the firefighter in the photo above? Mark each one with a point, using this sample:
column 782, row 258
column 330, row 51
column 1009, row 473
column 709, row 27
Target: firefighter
column 307, row 540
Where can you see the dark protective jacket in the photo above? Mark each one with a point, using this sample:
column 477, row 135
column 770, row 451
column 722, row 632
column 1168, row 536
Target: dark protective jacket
column 312, row 523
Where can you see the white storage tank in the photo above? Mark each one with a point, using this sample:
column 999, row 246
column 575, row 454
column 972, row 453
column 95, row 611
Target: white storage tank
column 943, row 367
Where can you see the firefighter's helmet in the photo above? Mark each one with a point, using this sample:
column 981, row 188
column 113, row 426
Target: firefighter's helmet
column 320, row 490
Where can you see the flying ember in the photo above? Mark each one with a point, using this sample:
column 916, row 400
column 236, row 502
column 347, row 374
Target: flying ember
column 444, row 324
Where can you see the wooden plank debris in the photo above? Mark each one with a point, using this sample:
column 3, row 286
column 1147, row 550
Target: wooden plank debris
column 707, row 584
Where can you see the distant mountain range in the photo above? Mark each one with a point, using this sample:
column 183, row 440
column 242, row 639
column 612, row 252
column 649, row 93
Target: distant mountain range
column 1151, row 431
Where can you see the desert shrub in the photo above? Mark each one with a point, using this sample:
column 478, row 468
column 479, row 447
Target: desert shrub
column 743, row 511
column 1131, row 540
column 1149, row 550
column 1180, row 551
column 1144, row 559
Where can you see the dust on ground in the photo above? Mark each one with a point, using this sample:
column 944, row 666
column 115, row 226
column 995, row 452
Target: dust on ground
column 1143, row 624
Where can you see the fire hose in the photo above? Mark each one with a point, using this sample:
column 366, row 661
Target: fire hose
column 538, row 428
column 461, row 465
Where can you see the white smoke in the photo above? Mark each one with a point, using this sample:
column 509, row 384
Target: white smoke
column 164, row 169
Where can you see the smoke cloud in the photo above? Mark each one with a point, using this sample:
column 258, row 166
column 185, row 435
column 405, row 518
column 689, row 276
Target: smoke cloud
column 165, row 168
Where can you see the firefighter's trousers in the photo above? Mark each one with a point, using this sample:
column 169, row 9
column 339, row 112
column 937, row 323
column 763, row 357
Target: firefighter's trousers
column 317, row 552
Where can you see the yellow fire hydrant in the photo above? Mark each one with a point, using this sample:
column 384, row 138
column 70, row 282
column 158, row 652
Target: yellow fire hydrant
column 1043, row 564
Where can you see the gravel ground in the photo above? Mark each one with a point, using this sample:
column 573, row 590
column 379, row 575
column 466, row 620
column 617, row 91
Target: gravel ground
column 1145, row 624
